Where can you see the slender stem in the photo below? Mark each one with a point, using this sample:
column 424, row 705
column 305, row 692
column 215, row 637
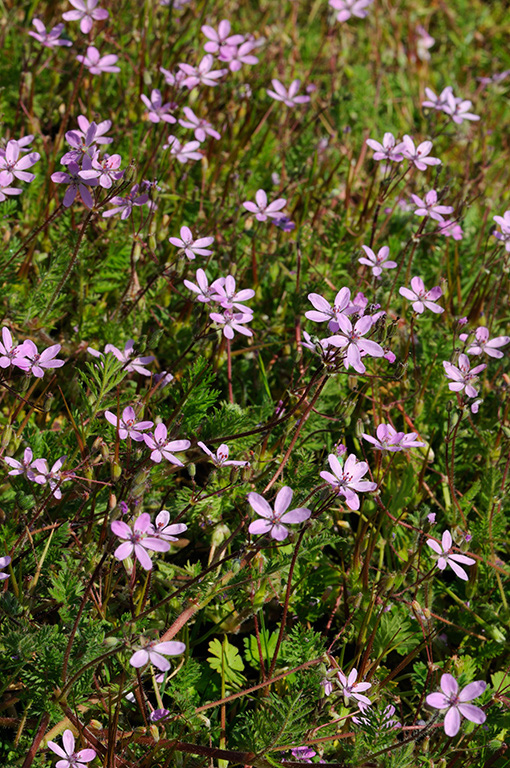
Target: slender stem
column 229, row 373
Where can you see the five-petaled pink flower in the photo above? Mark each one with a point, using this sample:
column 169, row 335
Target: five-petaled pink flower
column 346, row 480
column 183, row 152
column 274, row 521
column 455, row 702
column 138, row 540
column 54, row 476
column 450, row 228
column 163, row 530
column 155, row 654
column 323, row 311
column 351, row 339
column 377, row 262
column 390, row 149
column 288, row 96
column 348, row 8
column 12, row 353
column 422, row 298
column 127, row 425
column 463, row 375
column 218, row 38
column 158, row 111
column 228, row 297
column 201, row 127
column 71, row 759
column 163, row 448
column 12, row 163
column 202, row 288
column 446, row 557
column 204, row 74
column 190, row 246
column 86, row 13
column 350, row 688
column 50, row 38
column 24, row 467
column 262, row 209
column 125, row 205
column 429, row 206
column 38, row 362
column 76, row 181
column 388, row 439
column 233, row 321
column 418, row 155
column 220, row 458
column 97, row 64
column 481, row 343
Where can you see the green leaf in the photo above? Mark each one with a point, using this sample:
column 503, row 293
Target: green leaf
column 267, row 645
column 226, row 661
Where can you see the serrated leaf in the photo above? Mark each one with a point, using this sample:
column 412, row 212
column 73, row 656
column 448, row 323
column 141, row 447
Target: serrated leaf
column 226, row 661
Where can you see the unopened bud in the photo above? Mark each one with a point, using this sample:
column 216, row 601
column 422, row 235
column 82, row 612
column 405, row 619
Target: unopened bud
column 6, row 437
column 192, row 470
column 116, row 470
column 112, row 502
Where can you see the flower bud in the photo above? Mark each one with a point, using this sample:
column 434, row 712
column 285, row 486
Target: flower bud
column 116, row 471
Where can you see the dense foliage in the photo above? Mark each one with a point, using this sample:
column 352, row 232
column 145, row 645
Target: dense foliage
column 255, row 430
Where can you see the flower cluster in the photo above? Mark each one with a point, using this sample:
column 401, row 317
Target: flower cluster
column 144, row 536
column 86, row 167
column 38, row 471
column 223, row 291
column 27, row 357
column 456, row 108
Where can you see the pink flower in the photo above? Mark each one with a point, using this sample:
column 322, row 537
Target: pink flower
column 418, row 155
column 11, row 353
column 220, row 458
column 202, row 288
column 228, row 297
column 504, row 223
column 37, row 363
column 429, row 207
column 71, row 759
column 54, row 477
column 450, row 228
column 161, row 529
column 388, row 439
column 351, row 339
column 237, row 55
column 124, row 205
column 217, row 39
column 458, row 109
column 348, row 686
column 463, row 376
column 444, row 550
column 4, row 562
column 173, row 79
column 76, row 182
column 127, row 425
column 388, row 150
column 162, row 448
column 423, row 43
column 183, row 152
column 272, row 521
column 379, row 262
column 25, row 467
column 97, row 64
column 138, row 540
column 348, row 8
column 86, row 14
column 203, row 74
column 190, row 246
column 262, row 209
column 422, row 298
column 289, row 97
column 155, row 654
column 106, row 170
column 135, row 365
column 233, row 321
column 346, row 480
column 5, row 188
column 201, row 127
column 454, row 701
column 437, row 102
column 102, row 126
column 50, row 39
column 157, row 110
column 325, row 312
column 480, row 344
